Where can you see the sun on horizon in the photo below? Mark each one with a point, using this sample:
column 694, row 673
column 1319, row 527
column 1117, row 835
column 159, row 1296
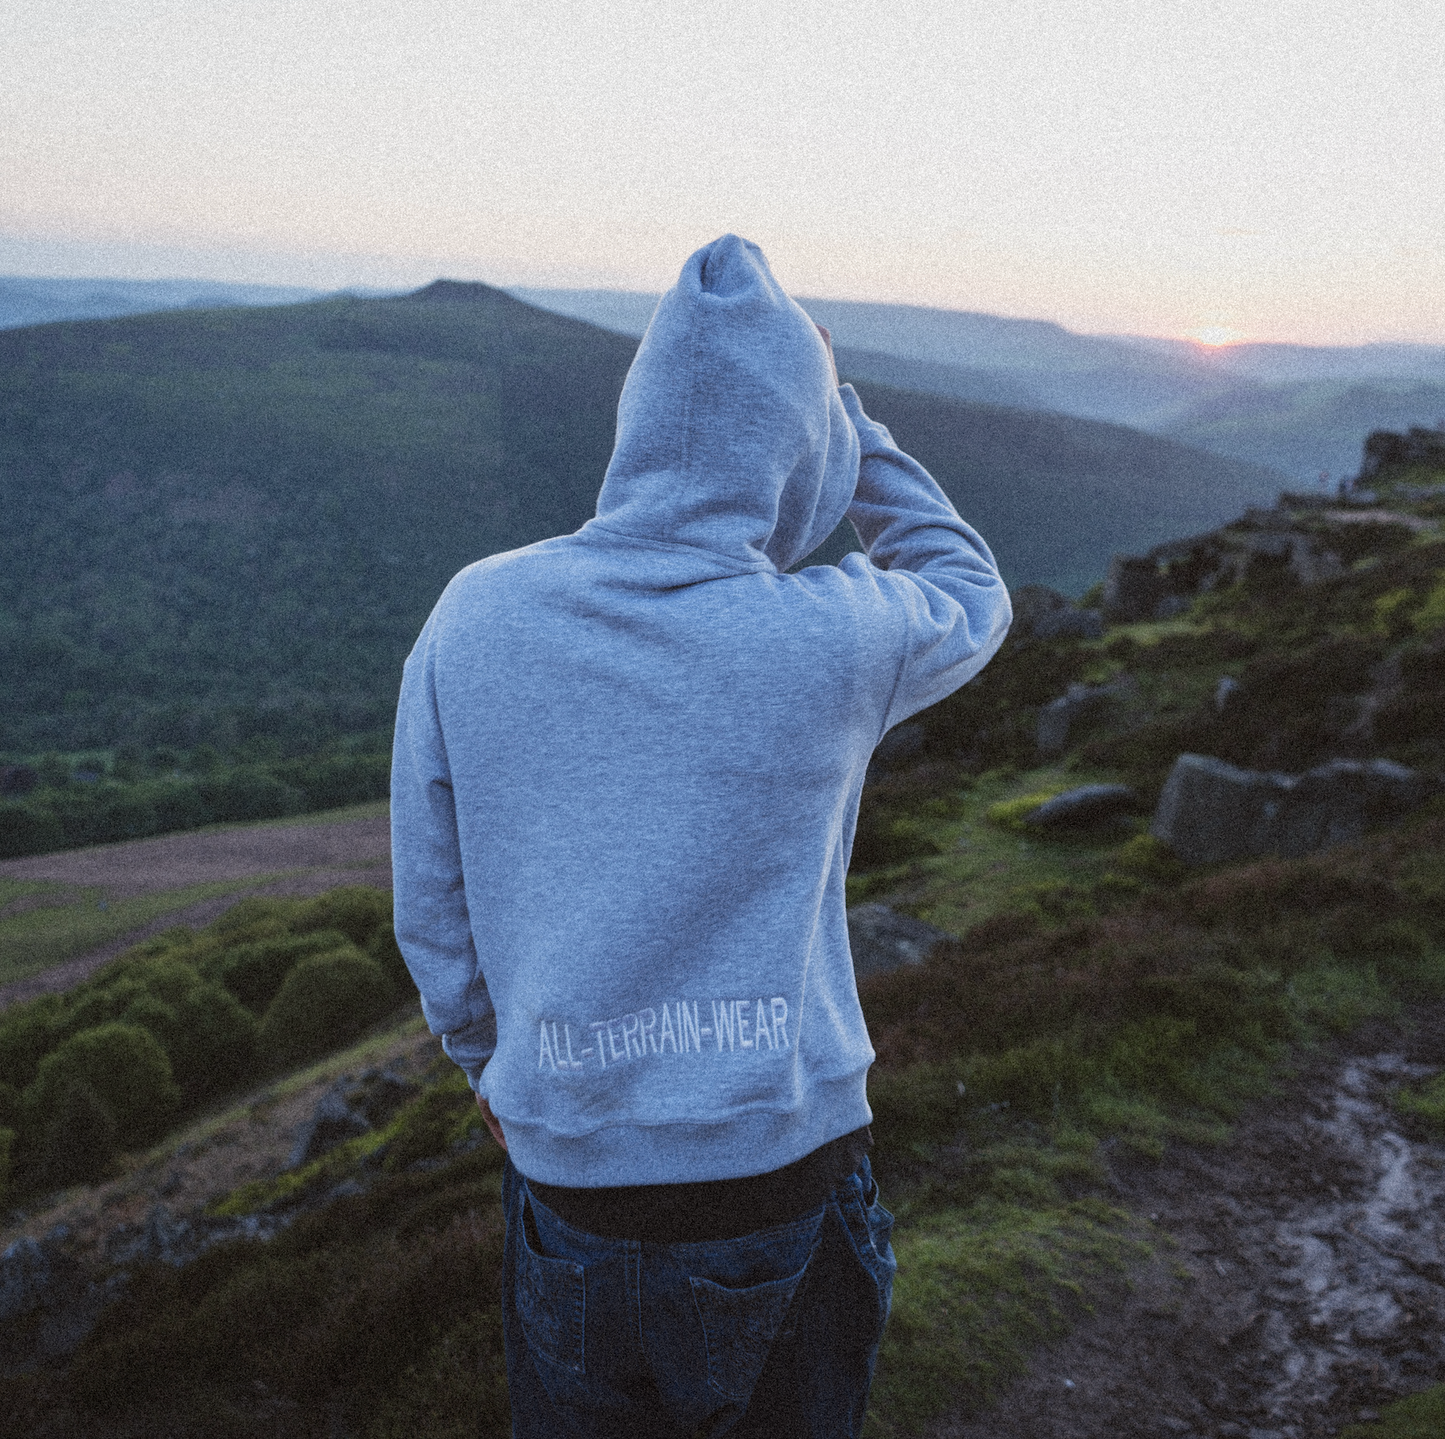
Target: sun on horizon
column 1214, row 336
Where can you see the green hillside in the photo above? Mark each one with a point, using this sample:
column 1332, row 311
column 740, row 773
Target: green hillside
column 1101, row 1021
column 233, row 522
column 1056, row 496
column 1304, row 428
column 230, row 524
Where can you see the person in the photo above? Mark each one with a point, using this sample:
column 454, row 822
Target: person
column 625, row 783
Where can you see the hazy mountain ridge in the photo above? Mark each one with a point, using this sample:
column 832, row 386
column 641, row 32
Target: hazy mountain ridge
column 230, row 522
column 27, row 300
column 1257, row 402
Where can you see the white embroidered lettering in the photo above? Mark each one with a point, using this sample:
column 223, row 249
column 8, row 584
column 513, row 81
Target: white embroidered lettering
column 780, row 1022
column 630, row 1024
column 760, row 1027
column 598, row 1026
column 687, row 1023
column 722, row 1019
column 737, row 1025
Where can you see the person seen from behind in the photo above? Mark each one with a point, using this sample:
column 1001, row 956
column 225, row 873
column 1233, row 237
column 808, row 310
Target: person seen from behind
column 625, row 783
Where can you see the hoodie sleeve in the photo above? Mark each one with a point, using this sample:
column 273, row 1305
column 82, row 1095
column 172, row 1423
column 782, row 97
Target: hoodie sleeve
column 433, row 927
column 936, row 571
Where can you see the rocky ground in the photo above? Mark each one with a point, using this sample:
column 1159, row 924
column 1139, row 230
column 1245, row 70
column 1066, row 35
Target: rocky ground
column 61, row 1263
column 1301, row 1285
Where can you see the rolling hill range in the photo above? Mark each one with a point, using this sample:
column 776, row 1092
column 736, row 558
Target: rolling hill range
column 1301, row 409
column 28, row 300
column 233, row 522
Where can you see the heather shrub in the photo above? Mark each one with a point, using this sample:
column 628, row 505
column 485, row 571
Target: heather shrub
column 77, row 1138
column 216, row 1041
column 255, row 972
column 123, row 1063
column 383, row 949
column 326, row 1000
column 356, row 910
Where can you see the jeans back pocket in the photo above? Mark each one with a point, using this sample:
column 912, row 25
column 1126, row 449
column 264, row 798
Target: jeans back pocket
column 739, row 1327
column 551, row 1300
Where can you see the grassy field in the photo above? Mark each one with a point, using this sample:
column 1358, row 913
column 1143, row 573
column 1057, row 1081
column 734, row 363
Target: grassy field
column 45, row 924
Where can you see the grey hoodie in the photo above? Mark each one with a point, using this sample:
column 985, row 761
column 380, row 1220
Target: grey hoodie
column 628, row 760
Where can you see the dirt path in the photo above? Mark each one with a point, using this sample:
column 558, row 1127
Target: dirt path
column 175, row 861
column 286, row 859
column 1306, row 1287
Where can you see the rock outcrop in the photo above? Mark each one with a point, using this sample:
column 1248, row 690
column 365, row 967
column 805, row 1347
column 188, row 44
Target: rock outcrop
column 1044, row 614
column 1082, row 807
column 1211, row 812
column 882, row 939
column 1059, row 721
column 1386, row 451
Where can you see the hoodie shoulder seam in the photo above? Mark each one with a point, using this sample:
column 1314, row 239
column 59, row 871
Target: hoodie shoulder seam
column 755, row 567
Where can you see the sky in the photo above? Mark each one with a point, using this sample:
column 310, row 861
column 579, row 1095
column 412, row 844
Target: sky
column 1266, row 169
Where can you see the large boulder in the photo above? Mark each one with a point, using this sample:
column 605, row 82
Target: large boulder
column 333, row 1122
column 1082, row 807
column 882, row 939
column 1059, row 721
column 1133, row 588
column 1045, row 614
column 1211, row 812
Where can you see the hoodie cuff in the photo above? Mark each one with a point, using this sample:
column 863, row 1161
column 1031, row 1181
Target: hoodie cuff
column 472, row 1047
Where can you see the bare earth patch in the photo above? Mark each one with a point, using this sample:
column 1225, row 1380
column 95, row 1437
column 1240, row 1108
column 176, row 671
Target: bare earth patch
column 1301, row 1285
column 303, row 857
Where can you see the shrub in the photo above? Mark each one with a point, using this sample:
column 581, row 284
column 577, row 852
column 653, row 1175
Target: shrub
column 121, row 1062
column 326, row 1000
column 248, row 793
column 253, row 917
column 357, row 910
column 78, row 1139
column 28, row 829
column 383, row 950
column 218, row 1041
column 254, row 973
column 27, row 1034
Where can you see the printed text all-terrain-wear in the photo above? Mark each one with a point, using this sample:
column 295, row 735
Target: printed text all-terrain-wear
column 628, row 760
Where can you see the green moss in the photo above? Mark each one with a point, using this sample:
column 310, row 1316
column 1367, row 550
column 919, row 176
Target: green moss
column 1421, row 1416
column 978, row 1288
column 1011, row 813
column 1426, row 1103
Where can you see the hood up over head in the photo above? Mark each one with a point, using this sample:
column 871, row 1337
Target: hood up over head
column 731, row 435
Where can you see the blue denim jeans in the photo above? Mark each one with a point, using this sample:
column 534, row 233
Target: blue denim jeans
column 772, row 1334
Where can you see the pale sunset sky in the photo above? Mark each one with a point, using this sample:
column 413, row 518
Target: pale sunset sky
column 1273, row 169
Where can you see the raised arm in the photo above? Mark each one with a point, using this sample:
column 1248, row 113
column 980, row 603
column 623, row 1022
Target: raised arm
column 936, row 571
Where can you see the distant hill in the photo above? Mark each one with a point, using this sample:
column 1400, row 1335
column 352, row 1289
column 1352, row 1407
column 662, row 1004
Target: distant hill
column 231, row 522
column 29, row 301
column 1267, row 404
column 1054, row 495
column 1311, row 428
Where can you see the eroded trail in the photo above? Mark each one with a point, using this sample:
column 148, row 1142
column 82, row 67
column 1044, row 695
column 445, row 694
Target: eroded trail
column 1305, row 1286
